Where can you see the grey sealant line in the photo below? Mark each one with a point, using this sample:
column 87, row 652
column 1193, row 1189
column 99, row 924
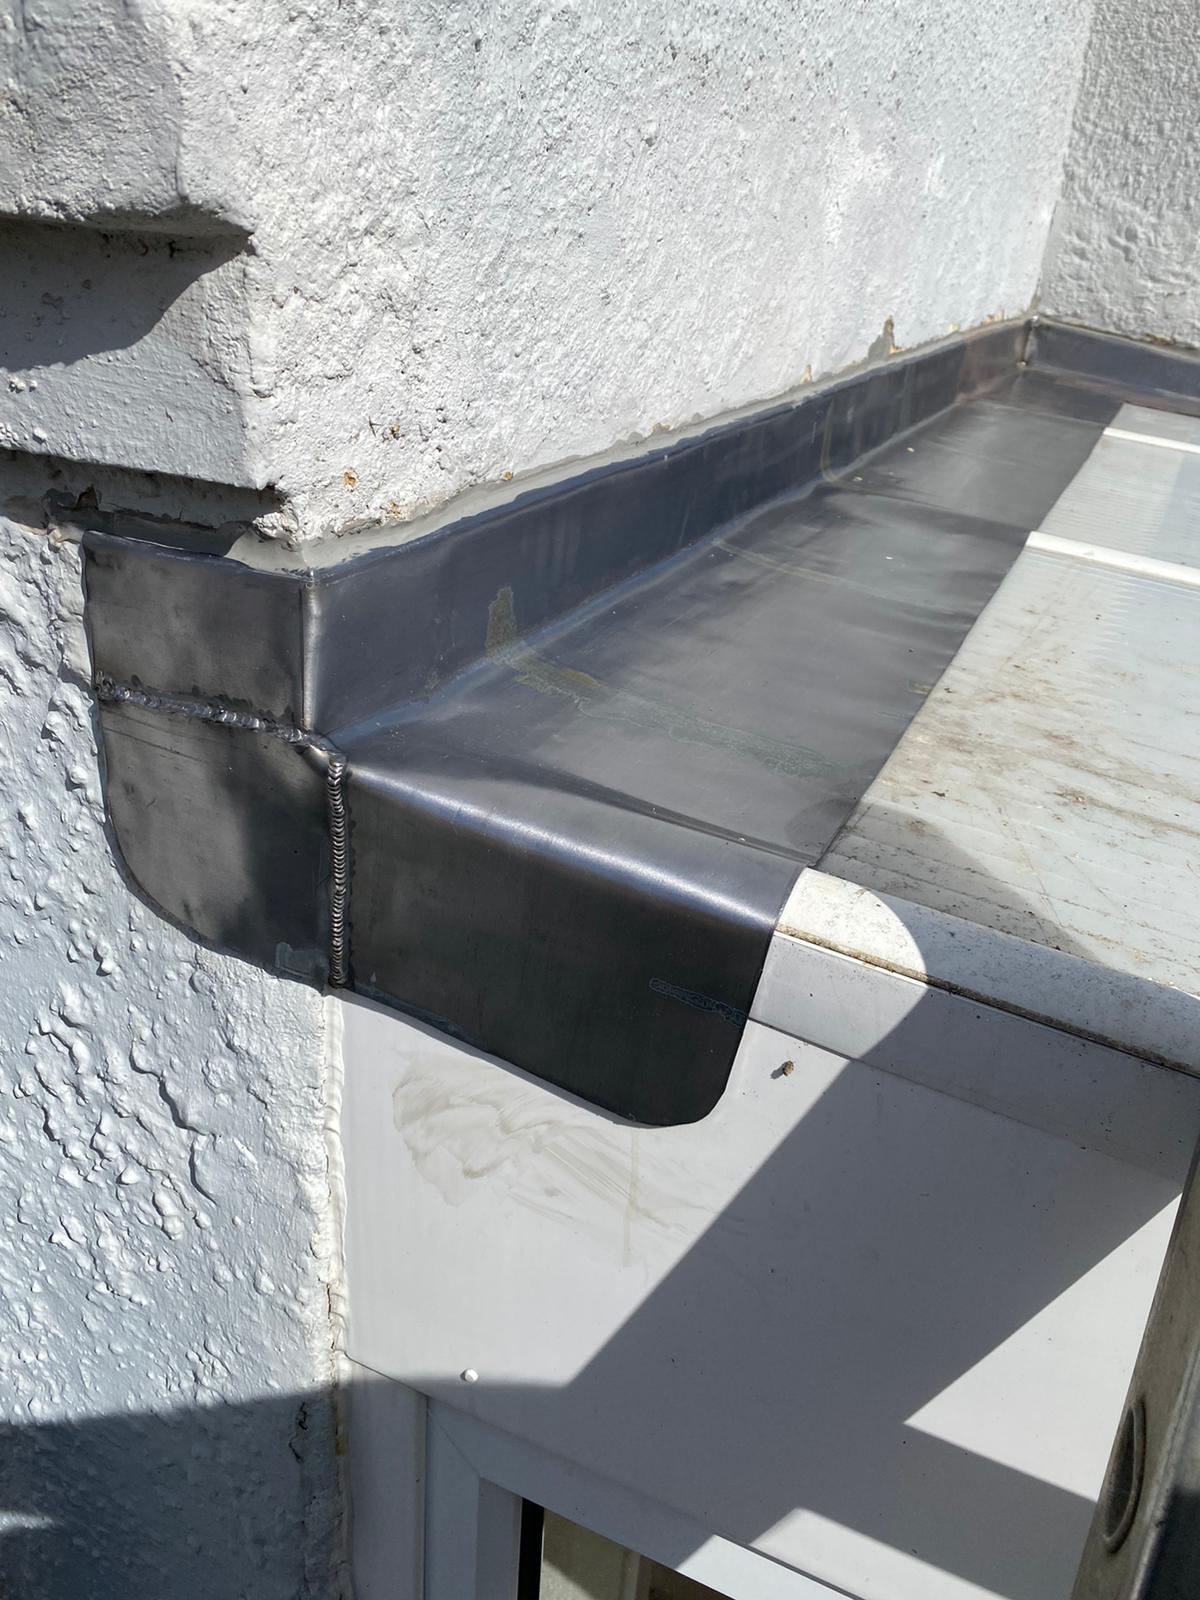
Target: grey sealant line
column 110, row 692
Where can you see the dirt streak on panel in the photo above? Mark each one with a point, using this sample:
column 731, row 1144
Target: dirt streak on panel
column 463, row 1125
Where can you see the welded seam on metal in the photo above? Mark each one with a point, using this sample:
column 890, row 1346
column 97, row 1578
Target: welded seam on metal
column 110, row 692
column 339, row 875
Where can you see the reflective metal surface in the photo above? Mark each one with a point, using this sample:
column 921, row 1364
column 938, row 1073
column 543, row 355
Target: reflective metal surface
column 591, row 735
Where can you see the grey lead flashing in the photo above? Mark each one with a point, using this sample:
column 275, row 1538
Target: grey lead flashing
column 109, row 692
column 577, row 746
column 1153, row 373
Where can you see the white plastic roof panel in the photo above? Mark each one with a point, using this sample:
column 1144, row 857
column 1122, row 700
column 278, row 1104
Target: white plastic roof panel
column 1154, row 424
column 1050, row 786
column 847, row 1320
column 1138, row 497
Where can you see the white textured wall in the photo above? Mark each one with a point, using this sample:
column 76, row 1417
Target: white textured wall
column 166, row 1256
column 481, row 237
column 1124, row 253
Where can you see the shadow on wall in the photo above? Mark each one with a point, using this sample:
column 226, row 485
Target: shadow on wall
column 122, row 321
column 128, row 351
column 70, row 292
column 209, row 1503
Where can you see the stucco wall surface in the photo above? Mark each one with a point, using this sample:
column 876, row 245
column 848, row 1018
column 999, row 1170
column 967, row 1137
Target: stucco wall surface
column 1124, row 252
column 168, row 1262
column 483, row 237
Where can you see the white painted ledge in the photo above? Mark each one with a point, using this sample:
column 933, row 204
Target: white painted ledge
column 1035, row 981
column 1048, row 1039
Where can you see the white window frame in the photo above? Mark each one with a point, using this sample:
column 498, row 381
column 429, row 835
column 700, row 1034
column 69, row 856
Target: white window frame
column 437, row 1498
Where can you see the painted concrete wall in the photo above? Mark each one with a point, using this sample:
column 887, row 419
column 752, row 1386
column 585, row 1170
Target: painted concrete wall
column 1125, row 249
column 167, row 1256
column 425, row 246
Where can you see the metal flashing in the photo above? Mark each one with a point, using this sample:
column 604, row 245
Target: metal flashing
column 110, row 693
column 584, row 741
column 1154, row 373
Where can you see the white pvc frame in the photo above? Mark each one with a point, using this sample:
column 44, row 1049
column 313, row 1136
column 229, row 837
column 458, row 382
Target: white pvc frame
column 437, row 1497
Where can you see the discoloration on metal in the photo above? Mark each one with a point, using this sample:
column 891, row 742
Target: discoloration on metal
column 681, row 724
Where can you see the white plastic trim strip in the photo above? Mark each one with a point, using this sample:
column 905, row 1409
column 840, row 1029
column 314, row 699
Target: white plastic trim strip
column 1101, row 555
column 1154, row 439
